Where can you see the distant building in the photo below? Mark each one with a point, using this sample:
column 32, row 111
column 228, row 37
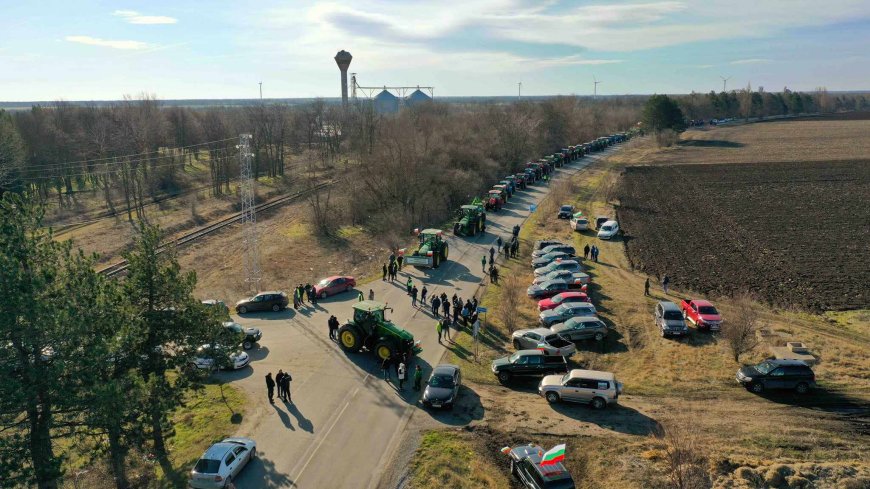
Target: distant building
column 417, row 97
column 386, row 103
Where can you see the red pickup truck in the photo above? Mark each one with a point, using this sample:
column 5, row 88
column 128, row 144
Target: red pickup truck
column 702, row 314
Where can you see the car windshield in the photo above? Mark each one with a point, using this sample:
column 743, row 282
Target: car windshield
column 605, row 228
column 513, row 358
column 765, row 367
column 558, row 299
column 445, row 381
column 207, row 466
column 561, row 309
column 567, row 208
column 708, row 310
column 673, row 315
column 324, row 282
column 235, row 328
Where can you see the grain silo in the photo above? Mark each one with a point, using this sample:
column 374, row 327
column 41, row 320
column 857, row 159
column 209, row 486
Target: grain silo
column 417, row 97
column 386, row 103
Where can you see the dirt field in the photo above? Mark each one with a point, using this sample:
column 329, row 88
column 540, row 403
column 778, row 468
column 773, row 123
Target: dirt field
column 745, row 440
column 792, row 234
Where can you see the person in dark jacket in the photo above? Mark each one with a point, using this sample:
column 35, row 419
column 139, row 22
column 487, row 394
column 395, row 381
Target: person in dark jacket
column 399, row 261
column 586, row 251
column 423, row 293
column 385, row 368
column 491, row 254
column 418, row 377
column 286, row 387
column 279, row 381
column 436, row 306
column 333, row 328
column 270, row 387
column 445, row 306
column 646, row 287
column 385, row 273
column 414, row 292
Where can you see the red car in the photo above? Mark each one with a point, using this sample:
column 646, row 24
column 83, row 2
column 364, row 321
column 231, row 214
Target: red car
column 562, row 298
column 334, row 285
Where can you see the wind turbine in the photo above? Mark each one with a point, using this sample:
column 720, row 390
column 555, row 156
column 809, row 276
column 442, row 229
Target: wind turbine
column 595, row 87
column 724, row 82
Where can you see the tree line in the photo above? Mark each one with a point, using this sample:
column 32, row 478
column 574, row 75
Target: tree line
column 749, row 103
column 87, row 360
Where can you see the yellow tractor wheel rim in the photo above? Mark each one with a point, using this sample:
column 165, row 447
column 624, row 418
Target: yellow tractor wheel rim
column 348, row 339
column 446, row 252
column 383, row 352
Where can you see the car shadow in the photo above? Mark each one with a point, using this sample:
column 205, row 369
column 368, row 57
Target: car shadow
column 829, row 400
column 233, row 375
column 618, row 418
column 282, row 315
column 259, row 353
column 261, row 473
column 467, row 408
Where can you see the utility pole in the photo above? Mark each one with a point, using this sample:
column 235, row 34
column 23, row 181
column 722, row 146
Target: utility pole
column 595, row 87
column 724, row 82
column 261, row 91
column 249, row 214
column 519, row 90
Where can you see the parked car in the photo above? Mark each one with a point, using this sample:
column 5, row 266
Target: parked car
column 566, row 275
column 526, row 467
column 669, row 319
column 222, row 462
column 562, row 298
column 702, row 314
column 527, row 363
column 600, row 220
column 543, row 339
column 565, row 311
column 581, row 328
column 210, row 357
column 598, row 389
column 564, row 248
column 547, row 289
column 264, row 301
column 442, row 389
column 777, row 374
column 548, row 258
column 608, row 230
column 565, row 212
column 543, row 243
column 219, row 307
column 248, row 336
column 579, row 223
column 334, row 285
column 570, row 265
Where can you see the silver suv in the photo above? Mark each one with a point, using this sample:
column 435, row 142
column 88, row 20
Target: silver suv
column 669, row 320
column 592, row 387
column 581, row 328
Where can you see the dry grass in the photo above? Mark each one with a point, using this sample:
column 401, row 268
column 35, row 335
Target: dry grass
column 449, row 459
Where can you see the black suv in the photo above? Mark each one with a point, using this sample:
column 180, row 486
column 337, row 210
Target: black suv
column 528, row 363
column 264, row 301
column 777, row 374
column 526, row 466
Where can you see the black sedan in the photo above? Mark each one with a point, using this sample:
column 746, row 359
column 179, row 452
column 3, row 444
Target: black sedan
column 547, row 289
column 443, row 387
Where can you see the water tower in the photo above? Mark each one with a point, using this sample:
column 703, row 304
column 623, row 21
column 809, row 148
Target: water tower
column 342, row 59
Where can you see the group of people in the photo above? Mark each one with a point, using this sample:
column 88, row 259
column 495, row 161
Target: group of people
column 282, row 381
column 303, row 292
column 400, row 367
column 666, row 281
column 590, row 252
column 393, row 267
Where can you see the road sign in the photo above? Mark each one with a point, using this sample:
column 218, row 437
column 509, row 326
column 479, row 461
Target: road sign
column 533, row 207
column 481, row 309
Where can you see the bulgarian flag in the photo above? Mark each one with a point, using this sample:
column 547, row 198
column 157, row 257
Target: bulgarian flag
column 554, row 455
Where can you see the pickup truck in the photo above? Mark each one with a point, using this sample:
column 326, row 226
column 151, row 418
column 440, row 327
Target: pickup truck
column 528, row 363
column 701, row 313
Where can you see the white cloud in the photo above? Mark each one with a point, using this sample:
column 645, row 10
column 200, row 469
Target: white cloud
column 107, row 43
column 134, row 17
column 751, row 61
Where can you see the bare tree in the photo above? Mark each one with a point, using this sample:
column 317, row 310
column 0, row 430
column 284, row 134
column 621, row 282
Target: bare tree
column 739, row 332
column 684, row 456
column 511, row 295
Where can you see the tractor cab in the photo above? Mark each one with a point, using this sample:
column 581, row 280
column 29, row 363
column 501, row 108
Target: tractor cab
column 503, row 191
column 433, row 249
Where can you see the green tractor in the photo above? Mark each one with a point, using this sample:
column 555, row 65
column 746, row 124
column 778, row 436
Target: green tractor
column 472, row 219
column 371, row 330
column 433, row 250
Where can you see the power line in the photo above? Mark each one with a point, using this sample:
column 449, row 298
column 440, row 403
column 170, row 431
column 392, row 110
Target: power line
column 117, row 170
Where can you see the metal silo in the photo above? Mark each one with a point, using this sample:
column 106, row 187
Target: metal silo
column 417, row 97
column 386, row 103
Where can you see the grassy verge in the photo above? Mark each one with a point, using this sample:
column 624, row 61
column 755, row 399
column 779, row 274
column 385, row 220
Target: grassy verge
column 449, row 459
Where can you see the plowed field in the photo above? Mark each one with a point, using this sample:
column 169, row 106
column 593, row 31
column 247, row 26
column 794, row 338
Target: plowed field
column 793, row 234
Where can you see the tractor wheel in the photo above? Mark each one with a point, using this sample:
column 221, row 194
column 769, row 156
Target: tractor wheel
column 436, row 260
column 385, row 349
column 350, row 338
column 445, row 253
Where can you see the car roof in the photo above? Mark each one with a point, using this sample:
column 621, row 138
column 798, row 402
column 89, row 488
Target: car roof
column 530, row 352
column 793, row 363
column 568, row 295
column 333, row 277
column 270, row 292
column 591, row 374
column 218, row 450
column 610, row 222
column 554, row 281
column 445, row 369
column 584, row 319
column 701, row 302
column 669, row 306
column 540, row 331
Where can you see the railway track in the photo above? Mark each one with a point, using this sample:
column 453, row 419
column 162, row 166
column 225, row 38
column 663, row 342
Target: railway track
column 121, row 266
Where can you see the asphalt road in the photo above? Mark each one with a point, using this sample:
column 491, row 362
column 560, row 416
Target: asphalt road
column 346, row 421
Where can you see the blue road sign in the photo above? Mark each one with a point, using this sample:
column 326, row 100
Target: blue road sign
column 533, row 207
column 481, row 309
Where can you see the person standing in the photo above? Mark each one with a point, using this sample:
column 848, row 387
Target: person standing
column 445, row 327
column 436, row 306
column 445, row 305
column 498, row 241
column 385, row 273
column 401, row 374
column 301, row 294
column 360, row 296
column 439, row 329
column 287, row 379
column 371, row 295
column 456, row 310
column 491, row 255
column 399, row 261
column 270, row 387
column 385, row 368
column 483, row 263
column 409, row 285
column 392, row 271
column 646, row 287
column 586, row 251
column 665, row 282
column 423, row 294
column 413, row 296
column 333, row 328
column 507, row 251
column 493, row 275
column 279, row 381
column 418, row 377
column 515, row 248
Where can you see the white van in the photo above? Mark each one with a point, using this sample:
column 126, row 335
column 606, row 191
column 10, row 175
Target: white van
column 608, row 230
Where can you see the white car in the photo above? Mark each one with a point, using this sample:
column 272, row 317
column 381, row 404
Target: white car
column 222, row 462
column 579, row 223
column 204, row 359
column 608, row 230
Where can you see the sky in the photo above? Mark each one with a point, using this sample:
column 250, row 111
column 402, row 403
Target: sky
column 181, row 49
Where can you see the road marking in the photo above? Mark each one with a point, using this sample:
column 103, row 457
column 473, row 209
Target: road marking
column 325, row 435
